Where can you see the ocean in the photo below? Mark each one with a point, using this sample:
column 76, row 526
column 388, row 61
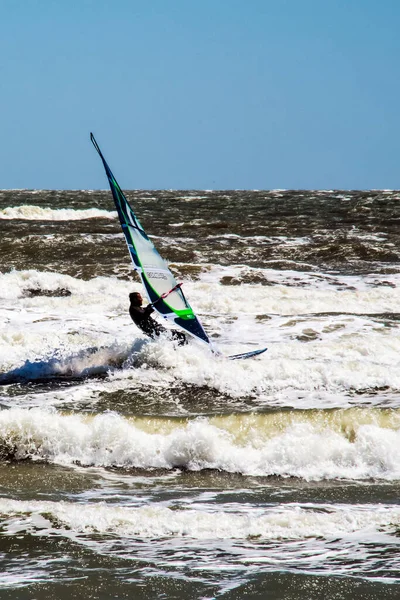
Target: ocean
column 132, row 468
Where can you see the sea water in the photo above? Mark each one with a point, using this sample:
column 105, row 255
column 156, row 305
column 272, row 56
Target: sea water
column 132, row 468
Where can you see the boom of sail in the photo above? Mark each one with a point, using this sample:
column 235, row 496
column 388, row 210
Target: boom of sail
column 158, row 281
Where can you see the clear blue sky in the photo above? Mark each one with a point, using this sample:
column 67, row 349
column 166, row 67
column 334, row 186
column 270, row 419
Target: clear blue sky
column 204, row 94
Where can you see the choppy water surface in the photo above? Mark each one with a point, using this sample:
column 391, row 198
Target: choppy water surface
column 133, row 468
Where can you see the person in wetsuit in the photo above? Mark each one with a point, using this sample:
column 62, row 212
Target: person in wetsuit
column 142, row 319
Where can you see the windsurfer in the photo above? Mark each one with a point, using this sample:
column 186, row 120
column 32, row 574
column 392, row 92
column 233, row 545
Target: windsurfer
column 142, row 319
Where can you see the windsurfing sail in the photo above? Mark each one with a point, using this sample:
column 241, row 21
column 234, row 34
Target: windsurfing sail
column 159, row 283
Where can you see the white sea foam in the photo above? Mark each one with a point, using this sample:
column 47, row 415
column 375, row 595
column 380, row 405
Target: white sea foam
column 194, row 197
column 90, row 331
column 304, row 282
column 37, row 213
column 312, row 450
column 290, row 521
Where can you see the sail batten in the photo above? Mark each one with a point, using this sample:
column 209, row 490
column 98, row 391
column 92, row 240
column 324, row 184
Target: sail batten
column 153, row 270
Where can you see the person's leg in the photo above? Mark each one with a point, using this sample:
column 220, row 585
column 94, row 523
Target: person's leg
column 179, row 337
column 153, row 330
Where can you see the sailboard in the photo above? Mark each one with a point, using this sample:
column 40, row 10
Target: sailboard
column 247, row 354
column 158, row 281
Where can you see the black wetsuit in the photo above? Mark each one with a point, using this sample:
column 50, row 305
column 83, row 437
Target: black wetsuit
column 141, row 317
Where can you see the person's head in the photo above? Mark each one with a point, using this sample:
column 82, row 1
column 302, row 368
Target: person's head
column 136, row 298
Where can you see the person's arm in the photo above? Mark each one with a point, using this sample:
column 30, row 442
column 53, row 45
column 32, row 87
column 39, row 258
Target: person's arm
column 148, row 310
column 152, row 304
